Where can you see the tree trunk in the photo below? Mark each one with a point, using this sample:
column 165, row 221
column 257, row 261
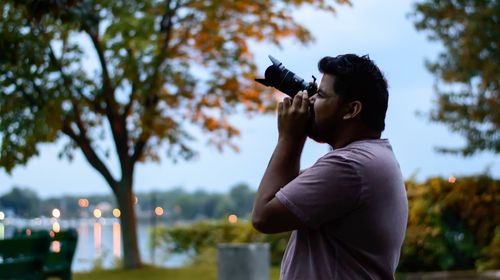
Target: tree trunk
column 128, row 221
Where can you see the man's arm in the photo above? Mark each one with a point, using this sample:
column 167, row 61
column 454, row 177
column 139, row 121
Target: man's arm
column 269, row 214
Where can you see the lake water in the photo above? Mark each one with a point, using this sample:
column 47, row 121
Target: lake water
column 99, row 241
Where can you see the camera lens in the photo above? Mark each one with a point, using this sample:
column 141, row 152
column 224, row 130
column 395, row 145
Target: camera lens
column 286, row 81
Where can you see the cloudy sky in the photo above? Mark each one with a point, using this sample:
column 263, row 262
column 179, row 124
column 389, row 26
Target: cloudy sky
column 381, row 29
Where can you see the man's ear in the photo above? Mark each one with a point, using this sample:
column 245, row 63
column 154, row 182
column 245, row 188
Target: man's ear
column 353, row 109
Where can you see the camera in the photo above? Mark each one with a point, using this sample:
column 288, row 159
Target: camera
column 286, row 81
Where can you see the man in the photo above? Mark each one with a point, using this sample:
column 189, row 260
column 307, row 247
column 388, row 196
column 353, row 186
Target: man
column 348, row 212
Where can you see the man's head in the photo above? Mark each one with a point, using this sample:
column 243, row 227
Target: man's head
column 353, row 92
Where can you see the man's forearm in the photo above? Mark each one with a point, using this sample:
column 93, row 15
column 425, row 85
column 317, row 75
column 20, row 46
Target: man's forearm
column 283, row 167
column 269, row 214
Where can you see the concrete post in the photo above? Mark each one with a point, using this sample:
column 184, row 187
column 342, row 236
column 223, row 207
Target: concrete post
column 249, row 261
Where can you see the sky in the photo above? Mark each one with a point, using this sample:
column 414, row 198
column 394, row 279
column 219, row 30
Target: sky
column 383, row 30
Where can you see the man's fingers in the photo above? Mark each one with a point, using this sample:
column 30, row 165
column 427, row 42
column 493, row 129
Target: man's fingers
column 297, row 100
column 299, row 103
column 305, row 102
column 287, row 102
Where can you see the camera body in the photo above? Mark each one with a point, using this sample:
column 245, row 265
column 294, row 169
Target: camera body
column 286, row 81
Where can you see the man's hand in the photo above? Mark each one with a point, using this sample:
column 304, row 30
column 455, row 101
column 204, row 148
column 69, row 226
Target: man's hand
column 293, row 116
column 269, row 214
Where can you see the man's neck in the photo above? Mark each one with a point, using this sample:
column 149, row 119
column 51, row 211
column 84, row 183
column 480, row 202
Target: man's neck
column 352, row 134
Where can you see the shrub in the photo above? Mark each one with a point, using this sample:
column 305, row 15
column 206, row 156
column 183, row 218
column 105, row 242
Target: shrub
column 451, row 224
column 200, row 239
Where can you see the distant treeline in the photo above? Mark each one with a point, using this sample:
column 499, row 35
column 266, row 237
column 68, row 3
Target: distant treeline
column 177, row 203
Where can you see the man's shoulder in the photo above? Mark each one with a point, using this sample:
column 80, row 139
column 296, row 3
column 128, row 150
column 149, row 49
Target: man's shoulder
column 362, row 149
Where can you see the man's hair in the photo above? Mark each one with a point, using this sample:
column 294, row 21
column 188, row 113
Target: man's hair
column 358, row 78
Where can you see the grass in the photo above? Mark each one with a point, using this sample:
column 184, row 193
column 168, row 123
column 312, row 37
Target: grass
column 152, row 273
column 210, row 273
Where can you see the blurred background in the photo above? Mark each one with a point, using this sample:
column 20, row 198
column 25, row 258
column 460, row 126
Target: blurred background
column 177, row 76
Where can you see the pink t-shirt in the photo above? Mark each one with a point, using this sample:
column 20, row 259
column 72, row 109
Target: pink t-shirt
column 353, row 201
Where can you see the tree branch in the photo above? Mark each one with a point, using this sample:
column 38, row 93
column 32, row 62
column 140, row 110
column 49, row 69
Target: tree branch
column 81, row 138
column 151, row 101
column 94, row 160
column 108, row 89
column 117, row 121
column 166, row 25
column 133, row 94
column 139, row 146
column 78, row 118
column 67, row 82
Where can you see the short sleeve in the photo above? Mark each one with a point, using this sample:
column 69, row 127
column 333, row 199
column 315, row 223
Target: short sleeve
column 325, row 192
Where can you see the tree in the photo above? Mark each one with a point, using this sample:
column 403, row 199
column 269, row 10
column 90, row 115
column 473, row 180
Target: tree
column 470, row 67
column 242, row 197
column 23, row 201
column 161, row 65
column 452, row 224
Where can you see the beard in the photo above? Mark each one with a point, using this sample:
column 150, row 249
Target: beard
column 313, row 131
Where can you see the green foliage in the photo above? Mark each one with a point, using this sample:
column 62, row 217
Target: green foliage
column 98, row 262
column 160, row 63
column 470, row 65
column 491, row 253
column 163, row 68
column 24, row 202
column 151, row 273
column 156, row 273
column 200, row 239
column 452, row 225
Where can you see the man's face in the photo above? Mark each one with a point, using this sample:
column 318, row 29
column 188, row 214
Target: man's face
column 325, row 116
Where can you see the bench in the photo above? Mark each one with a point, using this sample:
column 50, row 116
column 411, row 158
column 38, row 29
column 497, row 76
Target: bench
column 23, row 258
column 58, row 263
column 62, row 246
